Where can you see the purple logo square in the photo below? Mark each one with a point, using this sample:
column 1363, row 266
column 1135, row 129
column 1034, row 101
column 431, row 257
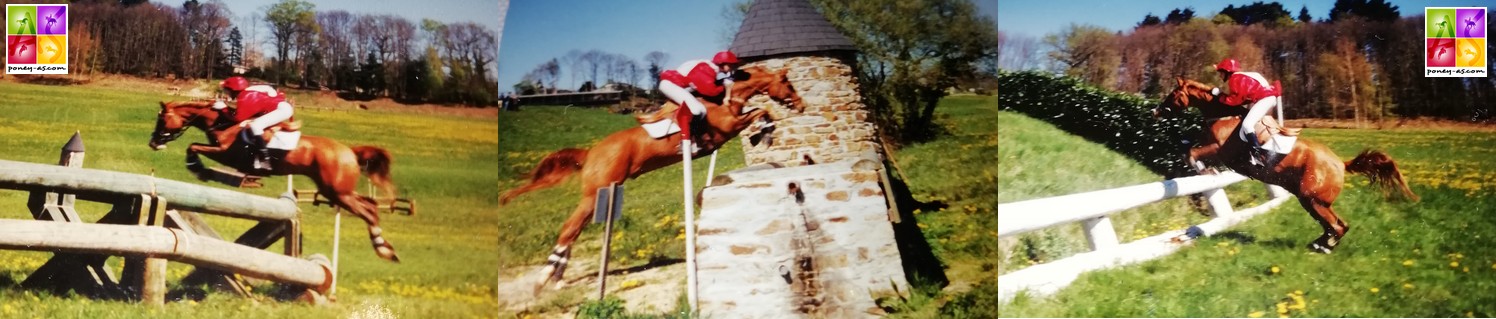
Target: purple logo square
column 1470, row 23
column 52, row 20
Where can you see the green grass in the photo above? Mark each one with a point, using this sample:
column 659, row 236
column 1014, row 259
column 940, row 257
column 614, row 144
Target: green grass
column 1433, row 258
column 955, row 169
column 445, row 163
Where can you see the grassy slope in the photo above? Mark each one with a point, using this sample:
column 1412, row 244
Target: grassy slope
column 1433, row 258
column 445, row 163
column 950, row 169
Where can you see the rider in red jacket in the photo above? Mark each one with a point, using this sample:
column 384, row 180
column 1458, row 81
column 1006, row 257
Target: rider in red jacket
column 259, row 107
column 1243, row 89
column 707, row 78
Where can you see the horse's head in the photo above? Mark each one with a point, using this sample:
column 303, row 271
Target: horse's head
column 762, row 81
column 176, row 116
column 1188, row 93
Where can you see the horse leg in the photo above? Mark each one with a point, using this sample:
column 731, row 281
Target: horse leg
column 594, row 177
column 337, row 182
column 1334, row 227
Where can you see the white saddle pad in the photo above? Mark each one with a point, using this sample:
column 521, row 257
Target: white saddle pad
column 1281, row 144
column 284, row 140
column 661, row 128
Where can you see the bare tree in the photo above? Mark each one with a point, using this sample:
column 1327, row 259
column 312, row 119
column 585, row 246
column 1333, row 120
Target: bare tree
column 337, row 48
column 591, row 62
column 573, row 62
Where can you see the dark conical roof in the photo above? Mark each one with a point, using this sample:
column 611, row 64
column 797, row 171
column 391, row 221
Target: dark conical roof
column 786, row 26
column 74, row 144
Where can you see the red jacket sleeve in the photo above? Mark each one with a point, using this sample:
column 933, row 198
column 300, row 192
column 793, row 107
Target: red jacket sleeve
column 1238, row 88
column 253, row 104
column 705, row 80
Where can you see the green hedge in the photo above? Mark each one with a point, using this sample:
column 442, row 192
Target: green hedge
column 1121, row 122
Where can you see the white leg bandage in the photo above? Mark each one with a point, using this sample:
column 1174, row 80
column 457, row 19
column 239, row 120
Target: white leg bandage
column 678, row 94
column 1259, row 109
column 281, row 113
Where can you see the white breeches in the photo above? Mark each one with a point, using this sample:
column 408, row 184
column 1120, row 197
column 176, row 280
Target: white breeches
column 678, row 94
column 281, row 113
column 1255, row 114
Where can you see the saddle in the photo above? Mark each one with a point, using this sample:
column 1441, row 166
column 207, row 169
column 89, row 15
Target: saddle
column 665, row 112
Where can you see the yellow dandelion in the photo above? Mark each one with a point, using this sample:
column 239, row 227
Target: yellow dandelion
column 1467, row 269
column 1454, row 264
column 1255, row 314
column 1409, row 263
column 630, row 284
column 1407, row 285
column 1375, row 290
column 1298, row 292
column 1276, row 270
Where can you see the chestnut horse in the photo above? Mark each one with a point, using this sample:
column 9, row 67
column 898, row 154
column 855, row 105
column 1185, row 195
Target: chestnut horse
column 1310, row 171
column 334, row 167
column 631, row 152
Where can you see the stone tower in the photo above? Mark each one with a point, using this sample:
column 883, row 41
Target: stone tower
column 834, row 126
column 783, row 239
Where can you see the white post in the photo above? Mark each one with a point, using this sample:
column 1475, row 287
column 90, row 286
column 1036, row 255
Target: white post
column 1275, row 191
column 711, row 169
column 1099, row 233
column 1219, row 205
column 685, row 154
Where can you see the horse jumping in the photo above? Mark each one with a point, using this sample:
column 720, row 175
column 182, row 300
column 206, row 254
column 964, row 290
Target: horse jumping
column 1310, row 171
column 334, row 167
column 632, row 152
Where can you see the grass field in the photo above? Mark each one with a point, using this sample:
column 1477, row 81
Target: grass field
column 1434, row 258
column 444, row 162
column 955, row 169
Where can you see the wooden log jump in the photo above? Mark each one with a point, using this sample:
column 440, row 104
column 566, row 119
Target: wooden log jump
column 161, row 242
column 104, row 186
column 147, row 229
column 383, row 204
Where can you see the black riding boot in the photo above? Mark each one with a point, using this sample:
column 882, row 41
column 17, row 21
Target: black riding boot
column 257, row 151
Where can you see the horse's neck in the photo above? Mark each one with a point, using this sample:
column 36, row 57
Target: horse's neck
column 1214, row 109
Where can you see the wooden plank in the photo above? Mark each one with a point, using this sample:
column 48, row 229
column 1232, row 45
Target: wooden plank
column 171, row 244
column 106, row 185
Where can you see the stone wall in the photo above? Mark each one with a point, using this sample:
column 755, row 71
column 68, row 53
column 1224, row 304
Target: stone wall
column 810, row 241
column 835, row 124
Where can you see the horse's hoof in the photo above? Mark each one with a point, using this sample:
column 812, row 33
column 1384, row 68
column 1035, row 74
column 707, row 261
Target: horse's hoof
column 1316, row 247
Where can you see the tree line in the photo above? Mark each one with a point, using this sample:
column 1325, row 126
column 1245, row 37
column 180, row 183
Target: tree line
column 595, row 68
column 363, row 55
column 1363, row 61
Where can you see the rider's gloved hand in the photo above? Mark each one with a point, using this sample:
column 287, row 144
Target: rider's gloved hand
column 218, row 105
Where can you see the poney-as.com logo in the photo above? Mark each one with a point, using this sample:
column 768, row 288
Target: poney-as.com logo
column 36, row 39
column 1455, row 42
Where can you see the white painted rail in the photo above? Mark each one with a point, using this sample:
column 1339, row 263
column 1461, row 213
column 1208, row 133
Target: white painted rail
column 1092, row 209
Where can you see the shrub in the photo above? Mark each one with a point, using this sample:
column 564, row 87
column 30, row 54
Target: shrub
column 1121, row 122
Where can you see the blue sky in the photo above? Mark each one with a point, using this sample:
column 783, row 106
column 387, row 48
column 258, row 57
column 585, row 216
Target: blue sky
column 1037, row 18
column 536, row 31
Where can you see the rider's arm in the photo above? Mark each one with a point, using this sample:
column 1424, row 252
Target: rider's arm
column 704, row 79
column 1236, row 88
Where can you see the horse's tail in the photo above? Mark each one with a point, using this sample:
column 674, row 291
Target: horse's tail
column 551, row 171
column 1382, row 171
column 375, row 162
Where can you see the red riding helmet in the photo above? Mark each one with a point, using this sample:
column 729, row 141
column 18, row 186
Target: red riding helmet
column 1228, row 65
column 237, row 83
column 725, row 57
